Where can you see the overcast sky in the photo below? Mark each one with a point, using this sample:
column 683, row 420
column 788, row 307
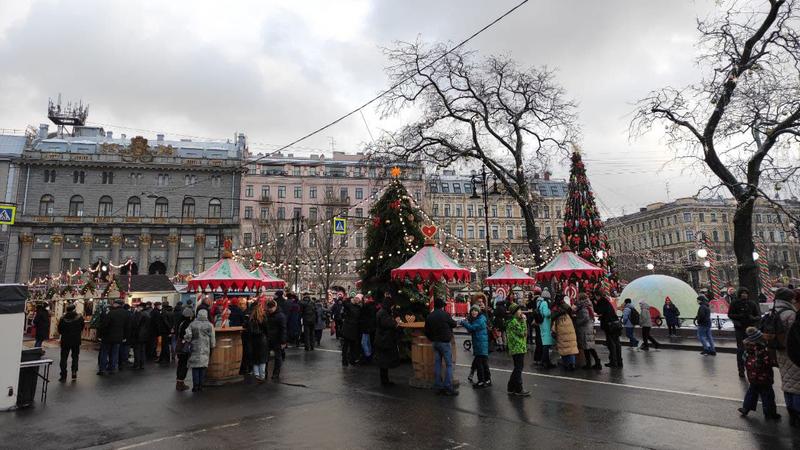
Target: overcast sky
column 279, row 69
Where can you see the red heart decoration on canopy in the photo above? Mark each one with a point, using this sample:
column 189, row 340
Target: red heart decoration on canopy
column 429, row 230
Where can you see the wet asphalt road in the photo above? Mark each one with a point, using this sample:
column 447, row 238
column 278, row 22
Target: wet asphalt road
column 664, row 399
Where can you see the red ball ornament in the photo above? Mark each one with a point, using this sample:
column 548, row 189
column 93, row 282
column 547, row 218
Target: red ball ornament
column 376, row 221
column 584, row 223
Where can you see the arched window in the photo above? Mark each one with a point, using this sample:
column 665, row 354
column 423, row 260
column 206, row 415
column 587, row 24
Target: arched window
column 76, row 206
column 162, row 207
column 134, row 207
column 106, row 206
column 214, row 208
column 188, row 207
column 46, row 205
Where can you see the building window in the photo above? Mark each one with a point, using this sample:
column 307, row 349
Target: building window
column 312, row 240
column 435, row 210
column 162, row 207
column 509, row 211
column 471, row 232
column 136, row 178
column 248, row 191
column 298, row 192
column 264, row 191
column 689, row 235
column 108, row 177
column 445, row 188
column 49, row 176
column 510, row 233
column 281, row 191
column 214, row 208
column 713, row 217
column 481, row 233
column 447, row 210
column 105, row 207
column 494, row 210
column 296, row 171
column 248, row 239
column 248, row 212
column 46, row 205
column 434, row 188
column 359, row 212
column 687, row 217
column 281, row 213
column 312, row 192
column 470, row 210
column 78, row 177
column 456, row 188
column 460, row 232
column 359, row 240
column 264, row 213
column 343, row 194
column 297, row 212
column 359, row 193
column 458, row 211
column 189, row 180
column 162, row 179
column 216, row 180
column 134, row 207
column 495, row 233
column 715, row 236
column 312, row 214
column 187, row 209
column 76, row 206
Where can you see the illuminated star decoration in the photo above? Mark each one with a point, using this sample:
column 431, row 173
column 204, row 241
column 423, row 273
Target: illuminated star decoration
column 395, row 172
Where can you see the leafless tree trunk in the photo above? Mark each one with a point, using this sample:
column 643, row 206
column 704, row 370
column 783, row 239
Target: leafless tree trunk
column 324, row 255
column 739, row 121
column 490, row 110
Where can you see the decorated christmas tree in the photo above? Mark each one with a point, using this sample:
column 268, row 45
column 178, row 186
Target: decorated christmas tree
column 393, row 237
column 583, row 227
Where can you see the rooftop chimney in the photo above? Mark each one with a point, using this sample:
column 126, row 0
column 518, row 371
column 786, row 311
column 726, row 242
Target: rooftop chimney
column 547, row 175
column 110, row 134
column 160, row 137
column 43, row 130
column 642, row 209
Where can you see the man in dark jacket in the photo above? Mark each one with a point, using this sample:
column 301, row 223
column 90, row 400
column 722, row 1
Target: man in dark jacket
column 351, row 310
column 164, row 331
column 336, row 314
column 309, row 314
column 703, row 319
column 439, row 330
column 155, row 331
column 744, row 313
column 276, row 336
column 70, row 328
column 115, row 329
column 140, row 335
column 42, row 323
column 367, row 324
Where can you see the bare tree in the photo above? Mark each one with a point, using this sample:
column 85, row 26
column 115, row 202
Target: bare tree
column 324, row 251
column 279, row 250
column 511, row 119
column 740, row 119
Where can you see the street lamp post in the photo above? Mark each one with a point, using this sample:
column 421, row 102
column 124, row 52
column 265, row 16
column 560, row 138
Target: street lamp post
column 484, row 183
column 297, row 224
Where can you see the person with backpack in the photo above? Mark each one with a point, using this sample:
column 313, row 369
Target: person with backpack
column 760, row 376
column 630, row 318
column 182, row 349
column 584, row 328
column 611, row 326
column 785, row 309
column 672, row 315
column 744, row 313
column 703, row 319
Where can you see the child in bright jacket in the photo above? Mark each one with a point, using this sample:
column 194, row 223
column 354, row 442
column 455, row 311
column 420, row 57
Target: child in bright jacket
column 758, row 366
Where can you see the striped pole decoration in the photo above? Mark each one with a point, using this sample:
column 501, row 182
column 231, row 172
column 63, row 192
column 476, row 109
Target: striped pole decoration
column 713, row 271
column 763, row 269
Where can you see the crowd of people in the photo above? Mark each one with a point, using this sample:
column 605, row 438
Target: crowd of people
column 370, row 333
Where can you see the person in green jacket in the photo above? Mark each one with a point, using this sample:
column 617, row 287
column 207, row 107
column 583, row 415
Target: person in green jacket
column 517, row 337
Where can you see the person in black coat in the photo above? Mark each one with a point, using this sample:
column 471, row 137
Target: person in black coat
column 336, row 314
column 308, row 312
column 744, row 313
column 276, row 337
column 351, row 311
column 180, row 351
column 70, row 328
column 140, row 335
column 155, row 331
column 257, row 334
column 612, row 327
column 42, row 323
column 387, row 354
column 115, row 329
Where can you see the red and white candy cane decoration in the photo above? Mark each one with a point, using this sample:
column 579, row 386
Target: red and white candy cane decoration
column 763, row 269
column 713, row 271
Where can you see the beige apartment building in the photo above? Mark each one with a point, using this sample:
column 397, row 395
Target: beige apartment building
column 286, row 204
column 457, row 206
column 668, row 236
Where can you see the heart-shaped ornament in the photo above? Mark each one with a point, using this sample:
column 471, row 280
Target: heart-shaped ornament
column 429, row 230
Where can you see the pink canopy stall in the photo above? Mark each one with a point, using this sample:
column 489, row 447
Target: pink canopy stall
column 567, row 265
column 268, row 279
column 509, row 275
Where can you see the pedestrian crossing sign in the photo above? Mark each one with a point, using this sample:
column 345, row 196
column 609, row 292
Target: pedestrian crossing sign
column 339, row 225
column 7, row 214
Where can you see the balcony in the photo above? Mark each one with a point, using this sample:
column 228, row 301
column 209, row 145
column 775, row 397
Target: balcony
column 332, row 200
column 265, row 200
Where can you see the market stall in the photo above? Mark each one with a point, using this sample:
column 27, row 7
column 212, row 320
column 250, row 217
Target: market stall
column 268, row 279
column 428, row 265
column 226, row 275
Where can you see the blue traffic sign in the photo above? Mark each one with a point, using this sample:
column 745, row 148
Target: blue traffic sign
column 7, row 214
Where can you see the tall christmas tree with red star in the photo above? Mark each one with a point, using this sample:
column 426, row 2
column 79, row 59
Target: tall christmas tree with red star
column 583, row 227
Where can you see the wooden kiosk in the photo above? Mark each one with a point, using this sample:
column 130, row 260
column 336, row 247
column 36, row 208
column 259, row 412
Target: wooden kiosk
column 225, row 275
column 430, row 265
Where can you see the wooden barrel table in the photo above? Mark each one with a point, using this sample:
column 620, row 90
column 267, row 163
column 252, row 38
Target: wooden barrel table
column 423, row 358
column 226, row 356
